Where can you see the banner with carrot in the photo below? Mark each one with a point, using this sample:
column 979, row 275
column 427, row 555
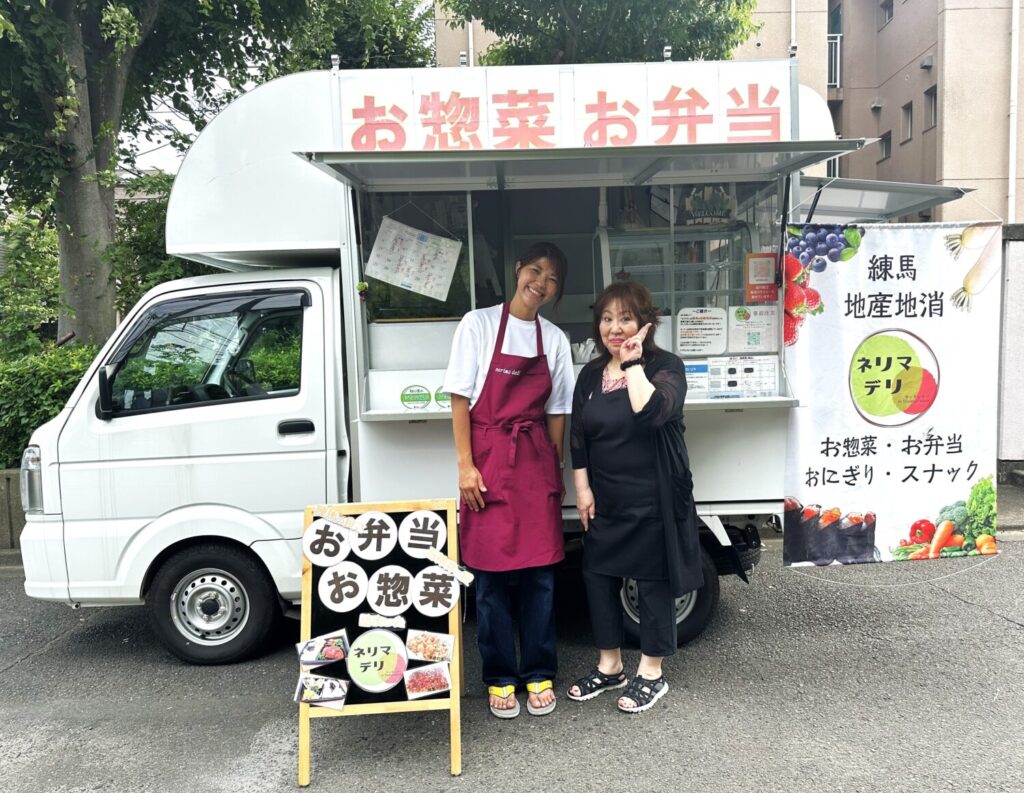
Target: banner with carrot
column 892, row 349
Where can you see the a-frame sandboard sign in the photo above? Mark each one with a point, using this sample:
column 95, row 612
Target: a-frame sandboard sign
column 380, row 627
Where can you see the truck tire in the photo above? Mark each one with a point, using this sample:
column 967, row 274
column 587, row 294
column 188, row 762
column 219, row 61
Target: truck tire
column 212, row 604
column 693, row 610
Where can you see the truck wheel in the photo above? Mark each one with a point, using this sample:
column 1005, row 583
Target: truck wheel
column 212, row 604
column 693, row 610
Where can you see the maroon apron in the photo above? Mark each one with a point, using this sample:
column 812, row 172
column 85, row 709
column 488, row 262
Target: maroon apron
column 521, row 523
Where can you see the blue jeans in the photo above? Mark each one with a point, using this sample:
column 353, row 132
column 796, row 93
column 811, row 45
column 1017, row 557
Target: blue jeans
column 533, row 606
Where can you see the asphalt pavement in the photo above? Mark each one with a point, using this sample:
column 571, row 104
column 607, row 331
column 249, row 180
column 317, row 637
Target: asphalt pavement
column 897, row 677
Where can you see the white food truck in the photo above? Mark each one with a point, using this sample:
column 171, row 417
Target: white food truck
column 177, row 473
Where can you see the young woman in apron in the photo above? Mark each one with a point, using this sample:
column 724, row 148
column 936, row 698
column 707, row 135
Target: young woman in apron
column 510, row 378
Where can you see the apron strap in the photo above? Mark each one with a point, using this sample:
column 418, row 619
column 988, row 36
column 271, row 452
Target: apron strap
column 500, row 341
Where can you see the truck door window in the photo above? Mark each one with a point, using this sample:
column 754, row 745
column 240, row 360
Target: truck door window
column 213, row 349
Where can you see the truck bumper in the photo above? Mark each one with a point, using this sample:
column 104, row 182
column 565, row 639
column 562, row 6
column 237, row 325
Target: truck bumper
column 42, row 554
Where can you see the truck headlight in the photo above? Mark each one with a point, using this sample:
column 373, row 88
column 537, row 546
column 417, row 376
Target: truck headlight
column 31, row 480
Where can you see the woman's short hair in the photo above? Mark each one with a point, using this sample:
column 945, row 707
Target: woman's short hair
column 634, row 298
column 551, row 252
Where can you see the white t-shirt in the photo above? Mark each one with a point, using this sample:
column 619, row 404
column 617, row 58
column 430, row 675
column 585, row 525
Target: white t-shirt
column 473, row 347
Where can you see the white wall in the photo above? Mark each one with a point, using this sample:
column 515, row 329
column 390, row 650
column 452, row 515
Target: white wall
column 1011, row 385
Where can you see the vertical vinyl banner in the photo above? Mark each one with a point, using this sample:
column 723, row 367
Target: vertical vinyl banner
column 892, row 348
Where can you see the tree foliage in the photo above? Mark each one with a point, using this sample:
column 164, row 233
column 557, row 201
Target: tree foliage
column 75, row 74
column 33, row 389
column 29, row 281
column 131, row 52
column 364, row 34
column 137, row 253
column 609, row 31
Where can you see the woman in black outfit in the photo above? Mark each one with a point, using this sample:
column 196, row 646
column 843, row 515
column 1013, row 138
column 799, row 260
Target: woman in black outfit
column 634, row 493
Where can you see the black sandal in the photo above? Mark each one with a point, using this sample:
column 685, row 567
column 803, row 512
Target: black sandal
column 596, row 683
column 644, row 693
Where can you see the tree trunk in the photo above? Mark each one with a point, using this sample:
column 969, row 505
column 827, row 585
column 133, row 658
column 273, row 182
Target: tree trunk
column 84, row 229
column 85, row 222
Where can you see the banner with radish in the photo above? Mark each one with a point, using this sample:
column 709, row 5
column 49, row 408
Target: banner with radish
column 892, row 348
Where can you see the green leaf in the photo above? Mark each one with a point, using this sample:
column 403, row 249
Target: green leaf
column 607, row 31
column 794, row 231
column 853, row 237
column 847, row 254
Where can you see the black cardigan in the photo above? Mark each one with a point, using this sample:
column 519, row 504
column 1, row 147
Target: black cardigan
column 663, row 413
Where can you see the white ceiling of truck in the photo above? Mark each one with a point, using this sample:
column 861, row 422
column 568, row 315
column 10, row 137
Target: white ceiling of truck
column 434, row 171
column 845, row 200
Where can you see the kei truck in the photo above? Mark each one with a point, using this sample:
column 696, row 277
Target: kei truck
column 177, row 474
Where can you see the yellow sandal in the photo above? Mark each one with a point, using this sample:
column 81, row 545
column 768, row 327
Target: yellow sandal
column 536, row 688
column 503, row 692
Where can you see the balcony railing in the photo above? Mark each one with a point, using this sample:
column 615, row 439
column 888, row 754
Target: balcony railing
column 835, row 59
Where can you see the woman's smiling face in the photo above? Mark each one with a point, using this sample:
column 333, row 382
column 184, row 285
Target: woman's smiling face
column 617, row 325
column 537, row 283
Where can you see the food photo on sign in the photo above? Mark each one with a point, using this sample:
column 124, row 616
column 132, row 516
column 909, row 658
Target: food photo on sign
column 323, row 650
column 382, row 590
column 321, row 690
column 893, row 354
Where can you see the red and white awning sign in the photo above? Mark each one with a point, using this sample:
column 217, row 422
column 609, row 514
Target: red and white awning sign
column 548, row 107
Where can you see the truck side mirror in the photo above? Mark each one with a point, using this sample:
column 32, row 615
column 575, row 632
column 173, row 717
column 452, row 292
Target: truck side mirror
column 105, row 408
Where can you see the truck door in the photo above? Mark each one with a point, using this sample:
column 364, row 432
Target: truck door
column 218, row 427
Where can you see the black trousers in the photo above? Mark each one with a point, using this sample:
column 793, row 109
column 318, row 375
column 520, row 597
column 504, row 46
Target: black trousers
column 657, row 614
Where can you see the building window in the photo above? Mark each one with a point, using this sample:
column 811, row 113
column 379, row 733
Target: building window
column 835, row 19
column 884, row 13
column 885, row 146
column 931, row 107
column 907, row 122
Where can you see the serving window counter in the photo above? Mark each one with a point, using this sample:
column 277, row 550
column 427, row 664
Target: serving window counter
column 699, row 239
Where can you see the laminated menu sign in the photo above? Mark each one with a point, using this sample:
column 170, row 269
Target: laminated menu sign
column 743, row 376
column 892, row 348
column 753, row 329
column 413, row 259
column 701, row 331
column 381, row 631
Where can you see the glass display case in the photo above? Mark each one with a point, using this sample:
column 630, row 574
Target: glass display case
column 727, row 332
column 684, row 267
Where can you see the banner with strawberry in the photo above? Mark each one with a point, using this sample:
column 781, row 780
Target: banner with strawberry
column 892, row 450
column 809, row 250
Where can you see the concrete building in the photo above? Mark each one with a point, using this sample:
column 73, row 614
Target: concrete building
column 931, row 79
column 451, row 43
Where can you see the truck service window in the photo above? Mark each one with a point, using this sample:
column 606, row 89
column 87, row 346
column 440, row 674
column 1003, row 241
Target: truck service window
column 441, row 214
column 212, row 349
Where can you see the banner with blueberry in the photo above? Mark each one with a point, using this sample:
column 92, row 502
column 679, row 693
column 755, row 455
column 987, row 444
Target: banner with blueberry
column 892, row 450
column 809, row 250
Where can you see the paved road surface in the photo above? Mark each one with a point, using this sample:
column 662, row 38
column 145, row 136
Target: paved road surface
column 882, row 678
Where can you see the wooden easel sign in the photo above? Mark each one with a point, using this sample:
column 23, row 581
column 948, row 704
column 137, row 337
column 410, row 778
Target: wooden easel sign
column 380, row 618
